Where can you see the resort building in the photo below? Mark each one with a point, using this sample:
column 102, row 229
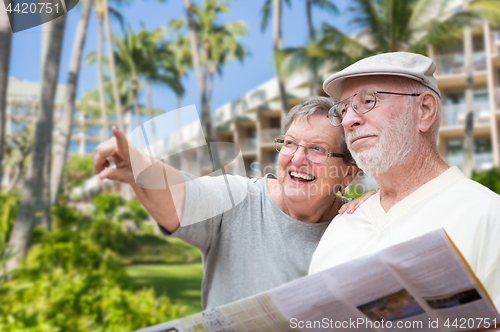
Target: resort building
column 23, row 105
column 253, row 120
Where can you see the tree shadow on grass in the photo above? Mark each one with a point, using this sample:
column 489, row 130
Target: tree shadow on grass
column 181, row 283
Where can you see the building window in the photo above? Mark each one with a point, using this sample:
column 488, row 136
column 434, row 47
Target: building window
column 275, row 122
column 90, row 147
column 273, row 158
column 19, row 127
column 73, row 147
column 454, row 108
column 252, row 167
column 251, row 133
column 483, row 156
column 93, row 131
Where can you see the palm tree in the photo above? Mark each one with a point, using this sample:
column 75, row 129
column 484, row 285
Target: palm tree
column 195, row 54
column 276, row 6
column 104, row 113
column 5, row 42
column 21, row 232
column 90, row 103
column 66, row 124
column 390, row 26
column 17, row 152
column 212, row 46
column 158, row 66
column 333, row 50
column 413, row 25
column 179, row 65
column 468, row 157
column 112, row 66
column 129, row 58
column 181, row 61
column 315, row 63
column 316, row 53
column 100, row 12
column 103, row 94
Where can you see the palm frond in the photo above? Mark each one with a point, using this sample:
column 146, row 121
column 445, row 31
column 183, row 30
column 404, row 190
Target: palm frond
column 327, row 5
column 266, row 13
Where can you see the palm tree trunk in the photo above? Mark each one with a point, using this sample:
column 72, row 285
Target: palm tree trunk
column 205, row 107
column 278, row 46
column 22, row 230
column 44, row 204
column 136, row 109
column 194, row 47
column 100, row 84
column 211, row 75
column 312, row 39
column 468, row 160
column 312, row 34
column 138, row 115
column 5, row 45
column 13, row 182
column 150, row 114
column 66, row 124
column 40, row 215
column 112, row 67
column 20, row 168
column 179, row 116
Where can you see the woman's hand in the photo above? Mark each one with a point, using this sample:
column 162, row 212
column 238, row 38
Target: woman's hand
column 117, row 149
column 355, row 203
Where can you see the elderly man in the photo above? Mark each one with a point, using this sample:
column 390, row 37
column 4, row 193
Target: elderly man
column 390, row 110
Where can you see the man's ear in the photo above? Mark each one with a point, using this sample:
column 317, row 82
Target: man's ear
column 428, row 111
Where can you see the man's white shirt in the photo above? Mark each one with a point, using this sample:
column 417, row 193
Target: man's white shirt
column 468, row 211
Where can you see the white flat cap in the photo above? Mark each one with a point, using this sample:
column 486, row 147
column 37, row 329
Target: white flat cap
column 414, row 66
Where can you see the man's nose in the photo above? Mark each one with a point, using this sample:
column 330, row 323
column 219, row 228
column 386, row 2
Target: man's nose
column 351, row 118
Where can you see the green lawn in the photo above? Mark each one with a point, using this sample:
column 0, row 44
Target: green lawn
column 180, row 282
column 168, row 251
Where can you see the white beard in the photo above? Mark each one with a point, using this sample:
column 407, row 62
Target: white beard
column 395, row 142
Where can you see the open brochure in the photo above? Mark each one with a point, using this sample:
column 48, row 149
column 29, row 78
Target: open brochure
column 419, row 285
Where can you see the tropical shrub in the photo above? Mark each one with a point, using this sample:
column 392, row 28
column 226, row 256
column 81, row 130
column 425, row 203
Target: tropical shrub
column 9, row 203
column 489, row 178
column 72, row 280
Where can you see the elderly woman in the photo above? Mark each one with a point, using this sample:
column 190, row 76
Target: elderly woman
column 269, row 238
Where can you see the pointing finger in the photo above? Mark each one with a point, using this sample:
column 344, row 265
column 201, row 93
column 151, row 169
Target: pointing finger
column 121, row 142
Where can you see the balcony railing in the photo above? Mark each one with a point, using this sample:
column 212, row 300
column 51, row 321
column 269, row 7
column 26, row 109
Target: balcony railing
column 482, row 161
column 453, row 64
column 267, row 136
column 228, row 152
column 270, row 168
column 248, row 145
column 497, row 99
column 454, row 115
column 496, row 42
column 93, row 131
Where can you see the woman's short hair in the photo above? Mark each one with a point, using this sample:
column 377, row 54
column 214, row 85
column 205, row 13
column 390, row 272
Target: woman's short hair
column 315, row 106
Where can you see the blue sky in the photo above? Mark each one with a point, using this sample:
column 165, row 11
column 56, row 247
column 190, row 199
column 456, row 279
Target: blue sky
column 237, row 78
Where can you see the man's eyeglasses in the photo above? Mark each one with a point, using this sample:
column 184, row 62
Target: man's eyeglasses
column 315, row 153
column 361, row 102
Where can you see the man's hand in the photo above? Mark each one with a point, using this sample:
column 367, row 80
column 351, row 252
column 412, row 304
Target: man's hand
column 115, row 148
column 355, row 203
